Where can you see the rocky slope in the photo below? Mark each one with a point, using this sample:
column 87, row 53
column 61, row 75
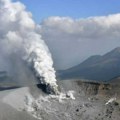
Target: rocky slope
column 78, row 100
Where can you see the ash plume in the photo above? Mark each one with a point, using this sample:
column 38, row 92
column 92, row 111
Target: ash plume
column 20, row 43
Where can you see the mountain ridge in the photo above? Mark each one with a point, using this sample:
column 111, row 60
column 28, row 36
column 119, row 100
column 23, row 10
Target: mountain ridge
column 96, row 67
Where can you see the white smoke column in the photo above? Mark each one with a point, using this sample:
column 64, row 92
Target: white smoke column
column 18, row 37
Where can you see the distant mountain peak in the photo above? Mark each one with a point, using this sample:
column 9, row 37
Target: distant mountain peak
column 116, row 49
column 114, row 53
column 101, row 68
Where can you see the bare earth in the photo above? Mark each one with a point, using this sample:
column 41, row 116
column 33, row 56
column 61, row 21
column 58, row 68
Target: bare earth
column 83, row 107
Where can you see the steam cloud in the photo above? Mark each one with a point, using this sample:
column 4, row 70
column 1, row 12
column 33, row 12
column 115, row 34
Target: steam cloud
column 19, row 41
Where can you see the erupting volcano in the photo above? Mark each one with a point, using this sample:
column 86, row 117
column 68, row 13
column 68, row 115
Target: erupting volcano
column 19, row 39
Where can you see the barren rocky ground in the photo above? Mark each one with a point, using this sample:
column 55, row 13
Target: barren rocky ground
column 89, row 103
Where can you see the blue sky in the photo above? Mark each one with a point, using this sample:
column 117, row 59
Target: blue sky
column 42, row 9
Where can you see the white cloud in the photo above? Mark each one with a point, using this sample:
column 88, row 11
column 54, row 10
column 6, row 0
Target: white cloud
column 71, row 41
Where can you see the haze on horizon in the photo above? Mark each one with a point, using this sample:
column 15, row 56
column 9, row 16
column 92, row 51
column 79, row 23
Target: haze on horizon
column 76, row 30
